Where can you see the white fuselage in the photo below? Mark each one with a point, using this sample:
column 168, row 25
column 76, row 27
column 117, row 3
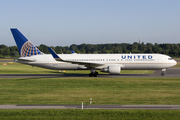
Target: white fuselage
column 125, row 61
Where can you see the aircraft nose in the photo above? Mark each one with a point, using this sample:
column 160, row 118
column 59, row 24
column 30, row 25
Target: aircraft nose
column 174, row 62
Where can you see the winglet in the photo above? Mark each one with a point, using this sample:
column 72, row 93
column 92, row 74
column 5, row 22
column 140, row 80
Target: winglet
column 72, row 51
column 54, row 54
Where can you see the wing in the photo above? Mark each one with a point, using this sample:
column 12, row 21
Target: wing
column 87, row 64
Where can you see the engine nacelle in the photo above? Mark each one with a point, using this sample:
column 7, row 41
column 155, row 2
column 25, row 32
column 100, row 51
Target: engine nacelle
column 113, row 69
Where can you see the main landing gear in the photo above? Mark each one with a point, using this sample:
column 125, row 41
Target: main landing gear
column 93, row 73
column 163, row 72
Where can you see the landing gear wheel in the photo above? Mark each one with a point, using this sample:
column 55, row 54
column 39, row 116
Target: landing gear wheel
column 93, row 74
column 162, row 74
column 90, row 74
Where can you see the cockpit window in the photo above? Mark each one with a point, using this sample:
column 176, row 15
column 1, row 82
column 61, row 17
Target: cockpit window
column 170, row 59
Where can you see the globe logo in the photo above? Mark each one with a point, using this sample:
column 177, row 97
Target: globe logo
column 28, row 49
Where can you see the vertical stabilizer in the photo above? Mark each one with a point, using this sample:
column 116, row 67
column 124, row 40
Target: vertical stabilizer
column 26, row 48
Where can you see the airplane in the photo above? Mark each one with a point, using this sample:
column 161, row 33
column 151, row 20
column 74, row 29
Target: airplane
column 109, row 63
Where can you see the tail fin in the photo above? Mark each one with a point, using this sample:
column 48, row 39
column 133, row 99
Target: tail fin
column 26, row 48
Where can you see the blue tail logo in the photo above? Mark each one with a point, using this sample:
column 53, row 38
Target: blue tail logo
column 26, row 48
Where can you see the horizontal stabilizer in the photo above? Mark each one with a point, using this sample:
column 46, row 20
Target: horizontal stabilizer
column 21, row 59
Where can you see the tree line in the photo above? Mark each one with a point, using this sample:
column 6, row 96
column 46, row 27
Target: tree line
column 172, row 50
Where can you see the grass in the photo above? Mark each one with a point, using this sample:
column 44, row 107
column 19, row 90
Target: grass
column 71, row 114
column 16, row 68
column 102, row 91
column 77, row 90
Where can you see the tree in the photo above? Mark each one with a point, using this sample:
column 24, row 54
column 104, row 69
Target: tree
column 6, row 52
column 168, row 49
column 43, row 48
column 3, row 46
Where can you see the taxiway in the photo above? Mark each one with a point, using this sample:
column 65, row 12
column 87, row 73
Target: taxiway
column 171, row 72
column 163, row 107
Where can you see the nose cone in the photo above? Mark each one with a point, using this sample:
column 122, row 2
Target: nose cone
column 174, row 62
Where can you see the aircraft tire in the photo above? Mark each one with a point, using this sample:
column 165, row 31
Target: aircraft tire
column 90, row 74
column 95, row 75
column 162, row 74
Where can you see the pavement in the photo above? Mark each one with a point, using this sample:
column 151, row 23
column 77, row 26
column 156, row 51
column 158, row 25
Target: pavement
column 155, row 107
column 171, row 72
column 6, row 60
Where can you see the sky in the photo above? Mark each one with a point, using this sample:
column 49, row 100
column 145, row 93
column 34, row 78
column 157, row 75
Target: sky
column 67, row 22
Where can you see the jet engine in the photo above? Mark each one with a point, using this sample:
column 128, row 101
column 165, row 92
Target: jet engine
column 113, row 69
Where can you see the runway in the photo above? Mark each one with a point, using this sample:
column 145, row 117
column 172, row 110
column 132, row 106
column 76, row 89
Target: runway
column 155, row 107
column 171, row 72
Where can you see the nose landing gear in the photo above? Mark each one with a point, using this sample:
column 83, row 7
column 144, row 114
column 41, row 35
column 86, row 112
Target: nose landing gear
column 163, row 72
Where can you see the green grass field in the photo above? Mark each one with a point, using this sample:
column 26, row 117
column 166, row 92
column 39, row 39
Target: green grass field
column 101, row 90
column 71, row 114
column 123, row 91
